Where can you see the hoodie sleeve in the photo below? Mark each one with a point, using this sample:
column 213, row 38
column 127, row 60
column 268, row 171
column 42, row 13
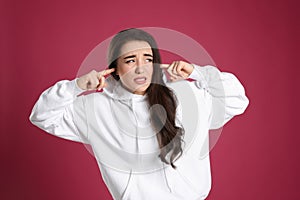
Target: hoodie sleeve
column 227, row 93
column 59, row 111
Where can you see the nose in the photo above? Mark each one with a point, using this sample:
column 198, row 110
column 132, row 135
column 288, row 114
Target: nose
column 139, row 67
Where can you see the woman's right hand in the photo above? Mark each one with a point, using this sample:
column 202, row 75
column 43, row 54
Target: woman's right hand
column 93, row 80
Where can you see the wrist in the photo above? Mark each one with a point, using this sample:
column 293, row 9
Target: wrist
column 191, row 69
column 78, row 84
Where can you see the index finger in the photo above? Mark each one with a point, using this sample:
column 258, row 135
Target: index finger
column 106, row 72
column 164, row 66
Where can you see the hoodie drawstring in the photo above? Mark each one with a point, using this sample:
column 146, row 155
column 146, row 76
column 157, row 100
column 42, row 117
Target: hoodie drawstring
column 166, row 178
column 136, row 128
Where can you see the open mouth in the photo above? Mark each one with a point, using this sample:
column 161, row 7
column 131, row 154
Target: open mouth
column 140, row 80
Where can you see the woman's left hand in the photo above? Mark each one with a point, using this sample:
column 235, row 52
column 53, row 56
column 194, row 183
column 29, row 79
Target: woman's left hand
column 178, row 70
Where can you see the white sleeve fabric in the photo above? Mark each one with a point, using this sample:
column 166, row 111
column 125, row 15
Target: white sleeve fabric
column 228, row 94
column 178, row 118
column 61, row 112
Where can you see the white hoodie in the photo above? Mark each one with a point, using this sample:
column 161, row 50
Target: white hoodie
column 116, row 124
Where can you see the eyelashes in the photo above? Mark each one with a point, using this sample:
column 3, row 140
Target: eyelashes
column 149, row 60
column 131, row 61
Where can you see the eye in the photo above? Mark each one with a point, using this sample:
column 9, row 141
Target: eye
column 129, row 61
column 149, row 60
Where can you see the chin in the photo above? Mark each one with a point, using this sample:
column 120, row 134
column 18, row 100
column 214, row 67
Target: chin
column 142, row 90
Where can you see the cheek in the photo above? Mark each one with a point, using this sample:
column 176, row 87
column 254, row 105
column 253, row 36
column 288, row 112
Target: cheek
column 150, row 70
column 122, row 69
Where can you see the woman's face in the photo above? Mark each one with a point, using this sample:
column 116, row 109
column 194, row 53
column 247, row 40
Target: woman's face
column 135, row 66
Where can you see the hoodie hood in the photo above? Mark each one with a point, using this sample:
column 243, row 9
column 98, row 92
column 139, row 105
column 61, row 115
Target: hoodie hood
column 116, row 91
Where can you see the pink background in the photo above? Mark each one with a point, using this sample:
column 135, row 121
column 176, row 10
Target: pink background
column 46, row 41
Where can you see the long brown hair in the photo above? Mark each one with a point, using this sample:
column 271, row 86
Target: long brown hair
column 169, row 136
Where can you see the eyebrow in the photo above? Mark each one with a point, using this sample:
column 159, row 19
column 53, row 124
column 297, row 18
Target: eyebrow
column 133, row 56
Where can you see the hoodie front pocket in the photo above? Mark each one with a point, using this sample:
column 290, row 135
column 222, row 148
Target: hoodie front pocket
column 118, row 182
column 180, row 186
column 196, row 174
column 126, row 190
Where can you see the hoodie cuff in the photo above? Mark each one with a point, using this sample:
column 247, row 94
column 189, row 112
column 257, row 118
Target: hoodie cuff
column 198, row 76
column 77, row 90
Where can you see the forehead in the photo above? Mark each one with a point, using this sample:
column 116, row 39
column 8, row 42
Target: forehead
column 135, row 47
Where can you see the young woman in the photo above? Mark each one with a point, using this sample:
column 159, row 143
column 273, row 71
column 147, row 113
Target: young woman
column 137, row 127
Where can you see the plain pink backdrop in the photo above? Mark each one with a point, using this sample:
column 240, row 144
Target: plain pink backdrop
column 46, row 41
